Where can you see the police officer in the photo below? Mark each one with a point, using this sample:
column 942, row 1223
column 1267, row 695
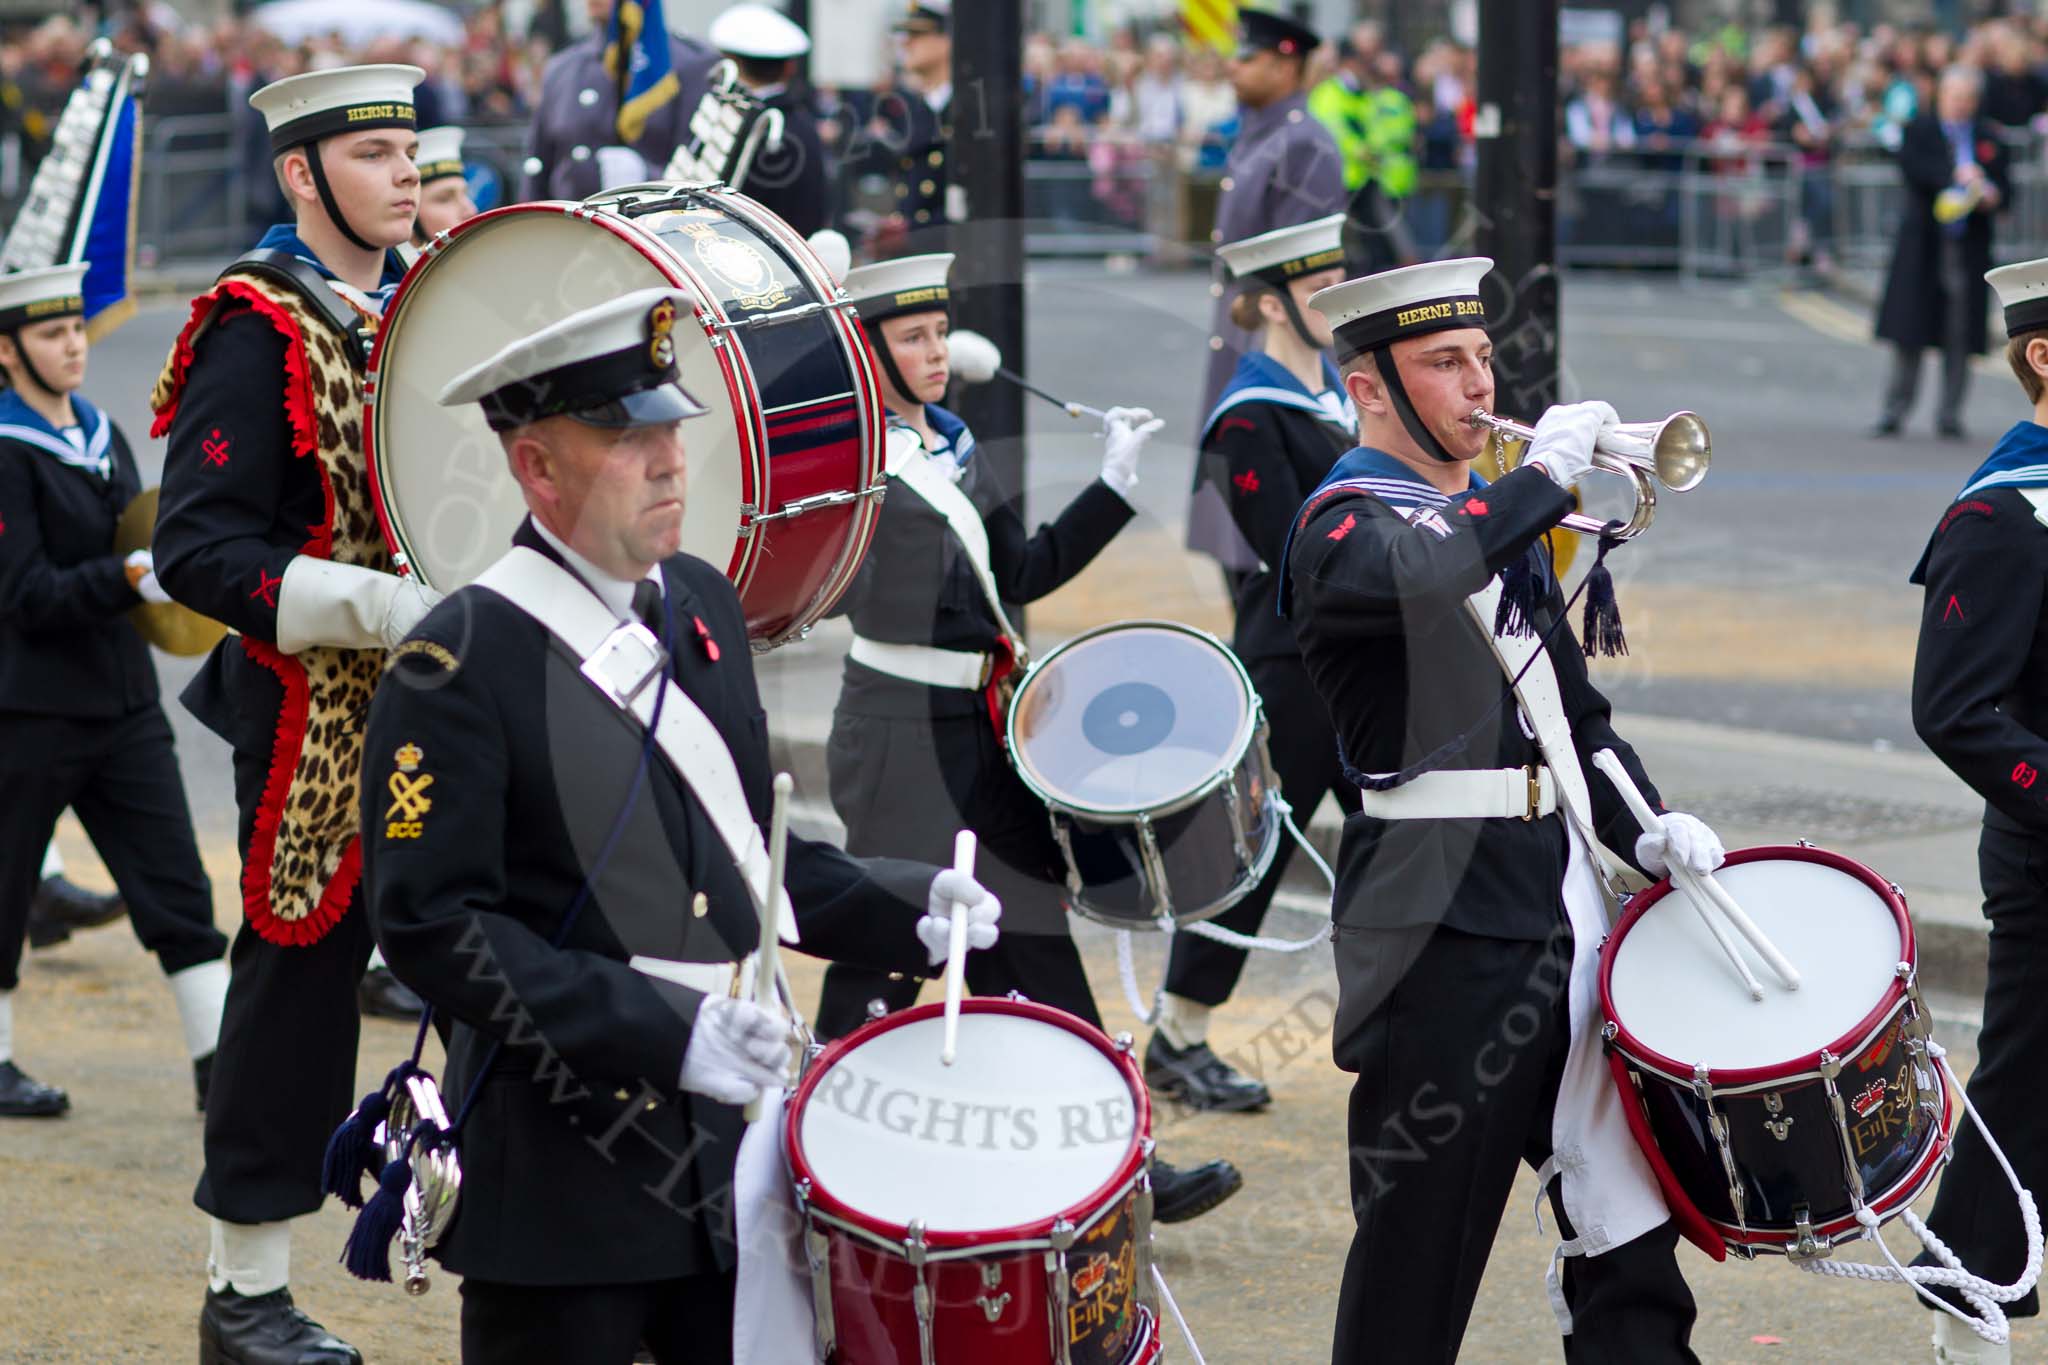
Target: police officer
column 80, row 724
column 1283, row 171
column 1280, row 425
column 1373, row 123
column 1980, row 679
column 766, row 47
column 566, row 888
column 577, row 114
column 267, row 523
column 1468, row 891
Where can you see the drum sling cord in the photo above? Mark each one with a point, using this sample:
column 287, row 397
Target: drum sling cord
column 1127, row 971
column 1981, row 1293
column 1173, row 1307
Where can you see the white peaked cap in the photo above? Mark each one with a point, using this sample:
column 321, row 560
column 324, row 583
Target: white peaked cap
column 51, row 291
column 758, row 32
column 2023, row 293
column 440, row 153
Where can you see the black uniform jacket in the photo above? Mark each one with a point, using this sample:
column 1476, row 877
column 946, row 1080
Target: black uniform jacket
column 237, row 505
column 792, row 180
column 1980, row 676
column 1379, row 607
column 492, row 776
column 917, row 586
column 1265, row 459
column 1915, row 306
column 909, row 142
column 66, row 647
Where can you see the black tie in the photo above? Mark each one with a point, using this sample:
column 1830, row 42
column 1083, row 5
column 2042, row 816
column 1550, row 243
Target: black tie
column 647, row 605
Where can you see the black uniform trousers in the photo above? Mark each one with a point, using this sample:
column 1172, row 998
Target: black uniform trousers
column 685, row 1321
column 905, row 786
column 1975, row 1210
column 121, row 777
column 285, row 1074
column 1303, row 746
column 1459, row 1042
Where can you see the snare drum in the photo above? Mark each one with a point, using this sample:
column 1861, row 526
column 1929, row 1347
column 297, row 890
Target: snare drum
column 1147, row 742
column 1770, row 1122
column 997, row 1210
column 784, row 472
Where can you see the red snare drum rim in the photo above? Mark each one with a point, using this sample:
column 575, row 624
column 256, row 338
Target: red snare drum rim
column 1081, row 1214
column 1737, row 1077
column 740, row 391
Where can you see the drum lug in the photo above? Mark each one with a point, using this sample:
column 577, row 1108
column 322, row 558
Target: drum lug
column 921, row 1295
column 1779, row 1128
column 818, row 1256
column 1808, row 1246
column 1802, row 843
column 1062, row 1238
column 1141, row 1230
column 1125, row 1043
column 992, row 1305
column 1155, row 867
column 1230, row 806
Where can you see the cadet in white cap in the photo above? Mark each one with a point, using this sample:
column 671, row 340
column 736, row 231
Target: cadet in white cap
column 267, row 523
column 598, row 1217
column 444, row 187
column 1978, row 679
column 766, row 47
column 1467, row 893
column 80, row 723
column 1281, row 423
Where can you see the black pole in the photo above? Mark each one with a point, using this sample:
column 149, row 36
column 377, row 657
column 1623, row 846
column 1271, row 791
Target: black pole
column 1516, row 198
column 986, row 162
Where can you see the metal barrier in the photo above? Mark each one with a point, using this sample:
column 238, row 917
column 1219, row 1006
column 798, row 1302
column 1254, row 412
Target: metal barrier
column 195, row 191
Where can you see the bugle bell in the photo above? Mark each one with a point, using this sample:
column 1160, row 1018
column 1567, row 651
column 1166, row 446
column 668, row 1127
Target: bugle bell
column 1675, row 453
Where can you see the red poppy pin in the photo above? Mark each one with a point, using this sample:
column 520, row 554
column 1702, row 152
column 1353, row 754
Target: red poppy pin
column 1985, row 151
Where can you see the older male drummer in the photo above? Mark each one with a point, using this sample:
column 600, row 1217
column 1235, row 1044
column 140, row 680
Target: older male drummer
column 1469, row 904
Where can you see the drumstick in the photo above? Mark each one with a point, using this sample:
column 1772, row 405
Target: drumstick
column 767, row 964
column 1071, row 409
column 1749, row 928
column 956, row 950
column 1607, row 761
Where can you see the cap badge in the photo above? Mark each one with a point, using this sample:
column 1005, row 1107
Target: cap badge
column 661, row 321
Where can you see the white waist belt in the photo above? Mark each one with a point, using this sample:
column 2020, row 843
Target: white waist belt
column 923, row 663
column 1473, row 794
column 712, row 978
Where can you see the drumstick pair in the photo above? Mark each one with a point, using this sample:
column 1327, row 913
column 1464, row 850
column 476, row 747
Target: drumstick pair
column 1707, row 895
column 768, row 957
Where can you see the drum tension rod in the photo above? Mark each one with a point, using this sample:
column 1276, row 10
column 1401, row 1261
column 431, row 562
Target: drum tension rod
column 750, row 517
column 800, row 313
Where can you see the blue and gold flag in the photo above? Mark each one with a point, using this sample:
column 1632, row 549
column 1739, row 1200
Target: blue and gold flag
column 647, row 78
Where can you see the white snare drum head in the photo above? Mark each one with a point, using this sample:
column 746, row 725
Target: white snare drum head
column 1675, row 991
column 1131, row 718
column 452, row 502
column 1029, row 1121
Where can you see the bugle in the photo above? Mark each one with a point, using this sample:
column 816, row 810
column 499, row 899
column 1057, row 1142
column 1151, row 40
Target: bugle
column 1675, row 453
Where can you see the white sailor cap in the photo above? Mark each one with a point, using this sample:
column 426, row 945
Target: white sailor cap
column 347, row 99
column 759, row 33
column 609, row 366
column 440, row 154
column 1287, row 253
column 1378, row 310
column 53, row 291
column 2022, row 293
column 926, row 16
column 908, row 284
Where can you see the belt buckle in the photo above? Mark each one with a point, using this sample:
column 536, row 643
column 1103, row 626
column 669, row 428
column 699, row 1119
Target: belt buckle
column 988, row 669
column 1535, row 776
column 625, row 662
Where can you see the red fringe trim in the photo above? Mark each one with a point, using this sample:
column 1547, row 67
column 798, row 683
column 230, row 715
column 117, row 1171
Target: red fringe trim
column 298, row 384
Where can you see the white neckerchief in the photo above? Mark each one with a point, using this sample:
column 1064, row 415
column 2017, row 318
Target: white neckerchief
column 615, row 593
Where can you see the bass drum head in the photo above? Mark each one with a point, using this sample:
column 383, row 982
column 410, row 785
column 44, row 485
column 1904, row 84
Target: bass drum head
column 1033, row 1122
column 448, row 501
column 1131, row 718
column 1672, row 990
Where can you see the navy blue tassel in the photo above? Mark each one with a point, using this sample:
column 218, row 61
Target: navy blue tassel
column 368, row 1253
column 352, row 1151
column 1603, row 614
column 1519, row 588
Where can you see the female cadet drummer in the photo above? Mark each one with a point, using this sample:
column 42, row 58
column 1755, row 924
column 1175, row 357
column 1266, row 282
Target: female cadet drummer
column 916, row 750
column 80, row 724
column 1282, row 422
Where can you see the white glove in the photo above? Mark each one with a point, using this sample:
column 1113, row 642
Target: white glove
column 347, row 607
column 1683, row 838
column 935, row 930
column 1564, row 439
column 974, row 357
column 737, row 1049
column 833, row 251
column 1124, row 433
column 146, row 587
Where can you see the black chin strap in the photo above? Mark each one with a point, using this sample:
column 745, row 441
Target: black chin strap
column 28, row 366
column 314, row 163
column 882, row 353
column 1383, row 356
column 1294, row 317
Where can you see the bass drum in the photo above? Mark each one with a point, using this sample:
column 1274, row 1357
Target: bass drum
column 785, row 470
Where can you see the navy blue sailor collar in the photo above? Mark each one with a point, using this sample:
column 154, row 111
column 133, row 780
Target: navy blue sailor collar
column 1261, row 379
column 1368, row 470
column 20, row 422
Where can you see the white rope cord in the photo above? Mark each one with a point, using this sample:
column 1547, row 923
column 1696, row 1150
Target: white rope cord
column 1257, row 943
column 1980, row 1293
column 1127, row 973
column 1179, row 1321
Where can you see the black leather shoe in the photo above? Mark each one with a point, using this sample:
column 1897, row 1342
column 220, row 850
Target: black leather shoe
column 1951, row 431
column 1200, row 1079
column 1179, row 1195
column 1886, row 426
column 22, row 1098
column 266, row 1329
column 74, row 907
column 384, row 995
column 45, row 931
column 202, row 1078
